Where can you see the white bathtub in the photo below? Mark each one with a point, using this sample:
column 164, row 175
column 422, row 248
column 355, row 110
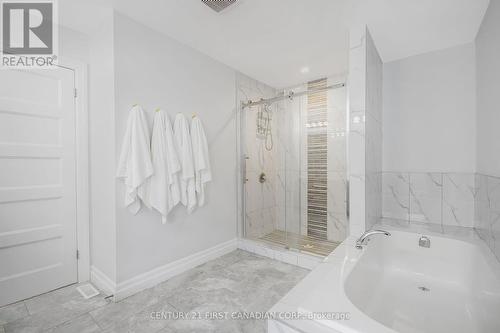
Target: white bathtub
column 393, row 285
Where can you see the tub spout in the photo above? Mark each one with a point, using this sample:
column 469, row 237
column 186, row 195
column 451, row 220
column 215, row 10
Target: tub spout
column 363, row 240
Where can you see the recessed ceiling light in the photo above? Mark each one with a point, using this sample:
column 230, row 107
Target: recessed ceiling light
column 304, row 70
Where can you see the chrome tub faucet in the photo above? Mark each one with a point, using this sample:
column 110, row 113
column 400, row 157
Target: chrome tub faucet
column 363, row 240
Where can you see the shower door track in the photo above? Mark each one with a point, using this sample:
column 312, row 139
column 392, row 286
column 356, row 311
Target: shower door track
column 290, row 95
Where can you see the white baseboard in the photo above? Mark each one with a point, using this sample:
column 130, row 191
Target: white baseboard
column 163, row 273
column 102, row 281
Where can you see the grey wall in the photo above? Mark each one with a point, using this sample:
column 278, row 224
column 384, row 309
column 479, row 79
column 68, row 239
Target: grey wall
column 102, row 148
column 429, row 138
column 429, row 118
column 488, row 88
column 74, row 44
column 155, row 71
column 487, row 207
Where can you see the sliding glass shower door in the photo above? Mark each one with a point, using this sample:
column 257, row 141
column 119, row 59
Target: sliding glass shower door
column 294, row 153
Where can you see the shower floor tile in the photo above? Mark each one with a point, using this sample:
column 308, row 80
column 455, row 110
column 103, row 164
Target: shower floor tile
column 303, row 243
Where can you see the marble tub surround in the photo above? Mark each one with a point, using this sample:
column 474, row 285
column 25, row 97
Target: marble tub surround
column 487, row 211
column 365, row 131
column 445, row 199
column 373, row 133
column 396, row 195
column 238, row 281
column 426, row 197
column 459, row 191
column 357, row 139
column 443, row 202
column 451, row 231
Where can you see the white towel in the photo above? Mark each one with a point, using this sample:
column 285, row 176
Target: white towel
column 201, row 159
column 185, row 154
column 135, row 165
column 164, row 191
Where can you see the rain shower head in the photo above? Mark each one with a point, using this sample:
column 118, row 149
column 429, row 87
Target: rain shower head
column 218, row 5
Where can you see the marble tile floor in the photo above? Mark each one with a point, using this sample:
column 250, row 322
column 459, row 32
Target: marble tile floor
column 237, row 282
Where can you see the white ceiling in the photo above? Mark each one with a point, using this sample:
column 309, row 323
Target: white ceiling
column 272, row 40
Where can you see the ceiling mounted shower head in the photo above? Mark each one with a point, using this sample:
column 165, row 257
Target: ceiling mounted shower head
column 218, row 5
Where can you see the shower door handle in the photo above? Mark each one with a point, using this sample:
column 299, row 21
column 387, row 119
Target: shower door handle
column 347, row 199
column 245, row 159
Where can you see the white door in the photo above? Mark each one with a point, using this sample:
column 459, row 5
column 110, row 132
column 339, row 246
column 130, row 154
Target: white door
column 37, row 182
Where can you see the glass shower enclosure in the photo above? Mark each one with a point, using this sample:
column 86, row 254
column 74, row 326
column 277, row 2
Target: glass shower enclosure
column 293, row 164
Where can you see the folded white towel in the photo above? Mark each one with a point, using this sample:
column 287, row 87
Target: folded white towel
column 185, row 154
column 201, row 159
column 135, row 165
column 164, row 191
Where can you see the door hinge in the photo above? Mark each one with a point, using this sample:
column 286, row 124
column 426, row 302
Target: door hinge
column 75, row 93
column 77, row 254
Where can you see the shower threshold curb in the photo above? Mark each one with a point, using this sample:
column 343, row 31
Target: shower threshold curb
column 304, row 260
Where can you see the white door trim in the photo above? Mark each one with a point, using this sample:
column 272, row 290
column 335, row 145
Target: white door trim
column 82, row 166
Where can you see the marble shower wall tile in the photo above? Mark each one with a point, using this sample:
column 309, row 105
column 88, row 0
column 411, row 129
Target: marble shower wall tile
column 337, row 227
column 337, row 183
column 281, row 202
column 260, row 222
column 337, row 162
column 288, row 147
column 260, row 199
column 337, row 217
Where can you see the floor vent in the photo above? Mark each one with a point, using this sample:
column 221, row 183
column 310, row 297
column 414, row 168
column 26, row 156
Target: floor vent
column 87, row 290
column 218, row 5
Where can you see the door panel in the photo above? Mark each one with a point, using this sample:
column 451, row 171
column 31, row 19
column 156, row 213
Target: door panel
column 37, row 182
